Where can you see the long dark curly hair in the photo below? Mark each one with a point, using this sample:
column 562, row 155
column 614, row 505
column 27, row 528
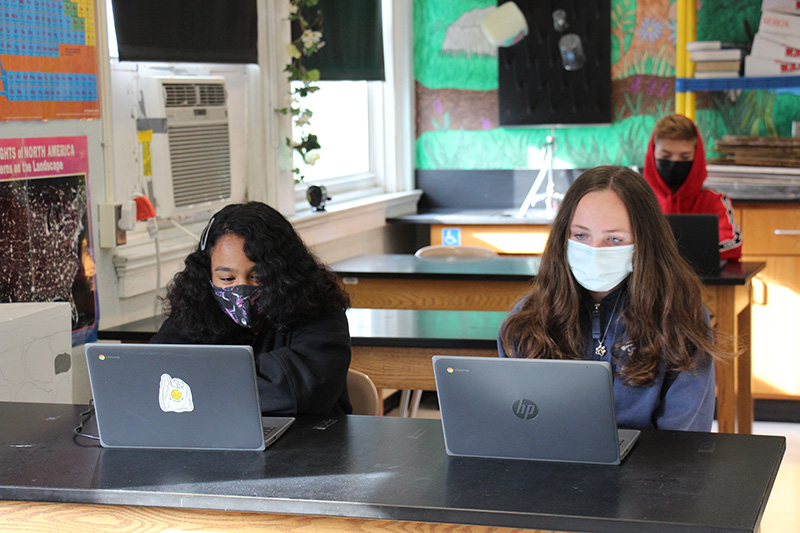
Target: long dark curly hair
column 297, row 286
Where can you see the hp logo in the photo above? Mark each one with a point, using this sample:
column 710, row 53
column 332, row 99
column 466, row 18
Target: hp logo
column 525, row 409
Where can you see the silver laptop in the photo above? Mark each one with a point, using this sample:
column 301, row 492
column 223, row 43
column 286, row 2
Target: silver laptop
column 539, row 409
column 183, row 396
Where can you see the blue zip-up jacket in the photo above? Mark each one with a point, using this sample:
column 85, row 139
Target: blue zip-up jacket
column 675, row 400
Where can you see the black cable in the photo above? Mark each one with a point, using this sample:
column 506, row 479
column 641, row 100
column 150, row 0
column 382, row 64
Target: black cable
column 78, row 431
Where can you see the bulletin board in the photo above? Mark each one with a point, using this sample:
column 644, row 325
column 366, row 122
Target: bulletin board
column 48, row 60
column 45, row 237
column 535, row 85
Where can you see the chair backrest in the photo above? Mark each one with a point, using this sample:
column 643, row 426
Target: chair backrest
column 363, row 395
column 439, row 250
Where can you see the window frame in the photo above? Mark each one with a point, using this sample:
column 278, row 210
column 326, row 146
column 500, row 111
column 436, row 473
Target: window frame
column 362, row 184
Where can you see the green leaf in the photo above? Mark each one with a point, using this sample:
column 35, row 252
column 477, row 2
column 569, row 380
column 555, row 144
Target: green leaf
column 311, row 142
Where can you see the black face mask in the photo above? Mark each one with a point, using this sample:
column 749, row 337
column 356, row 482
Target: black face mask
column 673, row 173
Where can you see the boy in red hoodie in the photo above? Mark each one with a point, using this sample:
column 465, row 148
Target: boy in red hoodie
column 675, row 167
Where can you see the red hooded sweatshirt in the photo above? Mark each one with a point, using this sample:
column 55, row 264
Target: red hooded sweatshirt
column 691, row 197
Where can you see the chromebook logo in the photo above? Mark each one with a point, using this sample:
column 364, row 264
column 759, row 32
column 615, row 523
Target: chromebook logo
column 449, row 369
column 101, row 357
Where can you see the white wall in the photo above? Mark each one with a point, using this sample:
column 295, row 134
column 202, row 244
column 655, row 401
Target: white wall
column 35, row 358
column 127, row 275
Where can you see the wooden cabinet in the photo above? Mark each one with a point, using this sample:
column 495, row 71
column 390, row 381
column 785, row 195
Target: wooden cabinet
column 523, row 239
column 771, row 233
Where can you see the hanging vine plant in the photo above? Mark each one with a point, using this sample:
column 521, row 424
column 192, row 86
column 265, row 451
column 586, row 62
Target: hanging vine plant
column 309, row 42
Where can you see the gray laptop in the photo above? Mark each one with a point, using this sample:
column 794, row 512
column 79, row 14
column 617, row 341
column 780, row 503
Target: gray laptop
column 183, row 396
column 539, row 409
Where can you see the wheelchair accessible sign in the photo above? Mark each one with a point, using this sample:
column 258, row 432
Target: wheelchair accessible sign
column 451, row 236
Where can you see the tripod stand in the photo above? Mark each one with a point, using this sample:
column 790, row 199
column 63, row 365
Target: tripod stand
column 550, row 194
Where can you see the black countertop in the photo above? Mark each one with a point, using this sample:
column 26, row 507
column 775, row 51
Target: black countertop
column 408, row 266
column 377, row 327
column 457, row 216
column 425, row 328
column 397, row 469
column 501, row 268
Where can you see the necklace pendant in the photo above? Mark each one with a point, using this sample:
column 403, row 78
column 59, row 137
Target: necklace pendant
column 600, row 351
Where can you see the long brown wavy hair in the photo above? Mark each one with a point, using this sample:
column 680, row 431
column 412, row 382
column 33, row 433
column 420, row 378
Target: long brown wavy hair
column 663, row 316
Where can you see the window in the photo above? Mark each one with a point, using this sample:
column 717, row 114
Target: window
column 347, row 119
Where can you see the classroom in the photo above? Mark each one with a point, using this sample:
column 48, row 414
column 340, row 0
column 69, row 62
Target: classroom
column 385, row 193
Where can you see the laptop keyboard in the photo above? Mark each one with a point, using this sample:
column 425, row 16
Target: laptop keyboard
column 268, row 431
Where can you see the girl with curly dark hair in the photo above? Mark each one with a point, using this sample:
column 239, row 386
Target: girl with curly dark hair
column 612, row 287
column 251, row 280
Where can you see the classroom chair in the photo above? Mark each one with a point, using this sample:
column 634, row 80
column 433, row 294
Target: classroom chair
column 363, row 395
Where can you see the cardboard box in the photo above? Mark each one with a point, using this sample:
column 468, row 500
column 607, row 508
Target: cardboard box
column 757, row 66
column 782, row 23
column 36, row 353
column 784, row 6
column 768, row 49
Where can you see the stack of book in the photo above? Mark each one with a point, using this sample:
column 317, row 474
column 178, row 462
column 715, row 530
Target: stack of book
column 776, row 46
column 715, row 59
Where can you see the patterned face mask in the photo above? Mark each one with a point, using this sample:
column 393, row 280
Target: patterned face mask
column 243, row 303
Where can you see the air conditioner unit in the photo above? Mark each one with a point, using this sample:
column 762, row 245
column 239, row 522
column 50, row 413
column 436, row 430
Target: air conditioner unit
column 190, row 148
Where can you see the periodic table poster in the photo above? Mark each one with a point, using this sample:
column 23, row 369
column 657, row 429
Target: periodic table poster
column 48, row 60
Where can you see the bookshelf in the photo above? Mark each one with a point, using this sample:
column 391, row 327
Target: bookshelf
column 694, row 85
column 686, row 85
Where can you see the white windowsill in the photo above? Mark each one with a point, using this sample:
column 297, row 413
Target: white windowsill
column 135, row 264
column 348, row 218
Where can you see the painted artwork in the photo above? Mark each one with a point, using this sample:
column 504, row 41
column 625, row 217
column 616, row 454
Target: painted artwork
column 456, row 89
column 45, row 238
column 48, row 60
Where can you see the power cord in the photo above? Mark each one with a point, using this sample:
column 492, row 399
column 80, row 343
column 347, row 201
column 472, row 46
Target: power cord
column 78, row 431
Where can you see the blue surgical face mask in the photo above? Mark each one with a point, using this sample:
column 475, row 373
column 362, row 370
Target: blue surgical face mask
column 599, row 269
column 243, row 303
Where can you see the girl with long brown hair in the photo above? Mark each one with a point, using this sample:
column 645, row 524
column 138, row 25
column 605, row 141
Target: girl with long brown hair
column 612, row 287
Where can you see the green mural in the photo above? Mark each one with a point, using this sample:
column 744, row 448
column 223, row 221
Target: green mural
column 456, row 75
column 723, row 20
column 445, row 50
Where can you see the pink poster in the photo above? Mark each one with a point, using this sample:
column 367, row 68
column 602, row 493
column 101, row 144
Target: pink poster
column 45, row 238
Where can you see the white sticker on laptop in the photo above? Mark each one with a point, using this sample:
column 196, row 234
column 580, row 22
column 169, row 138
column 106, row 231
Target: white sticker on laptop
column 174, row 395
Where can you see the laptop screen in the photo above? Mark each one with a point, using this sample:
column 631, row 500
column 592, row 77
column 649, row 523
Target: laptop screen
column 697, row 236
column 542, row 409
column 175, row 396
